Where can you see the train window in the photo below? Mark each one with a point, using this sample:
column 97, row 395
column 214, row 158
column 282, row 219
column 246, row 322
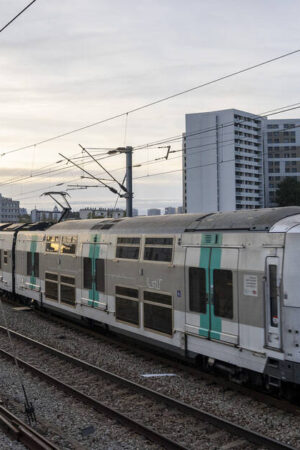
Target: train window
column 100, row 275
column 67, row 280
column 5, row 257
column 67, row 290
column 87, row 273
column 68, row 245
column 51, row 286
column 128, row 247
column 127, row 292
column 158, row 249
column 223, row 293
column 197, row 286
column 0, row 258
column 33, row 264
column 52, row 244
column 127, row 305
column 157, row 297
column 273, row 295
column 158, row 312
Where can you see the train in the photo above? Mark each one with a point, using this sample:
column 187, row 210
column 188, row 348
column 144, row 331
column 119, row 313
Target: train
column 220, row 288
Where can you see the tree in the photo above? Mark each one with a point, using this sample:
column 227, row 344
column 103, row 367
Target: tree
column 24, row 218
column 288, row 192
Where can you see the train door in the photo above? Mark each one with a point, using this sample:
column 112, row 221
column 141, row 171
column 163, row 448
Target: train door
column 213, row 309
column 93, row 270
column 272, row 298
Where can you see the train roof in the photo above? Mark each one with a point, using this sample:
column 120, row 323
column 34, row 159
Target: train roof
column 173, row 223
column 247, row 220
column 36, row 226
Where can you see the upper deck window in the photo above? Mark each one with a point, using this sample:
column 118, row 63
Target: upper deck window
column 68, row 245
column 128, row 247
column 52, row 244
column 158, row 249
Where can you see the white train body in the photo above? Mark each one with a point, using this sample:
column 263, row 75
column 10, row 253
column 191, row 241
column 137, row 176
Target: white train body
column 223, row 287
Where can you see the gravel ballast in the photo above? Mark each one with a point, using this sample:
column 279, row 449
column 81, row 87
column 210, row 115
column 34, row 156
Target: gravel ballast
column 212, row 398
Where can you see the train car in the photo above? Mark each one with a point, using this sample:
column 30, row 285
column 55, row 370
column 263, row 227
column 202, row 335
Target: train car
column 30, row 244
column 222, row 287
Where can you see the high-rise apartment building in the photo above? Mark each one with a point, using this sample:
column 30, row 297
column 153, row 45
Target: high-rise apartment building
column 282, row 154
column 9, row 210
column 223, row 161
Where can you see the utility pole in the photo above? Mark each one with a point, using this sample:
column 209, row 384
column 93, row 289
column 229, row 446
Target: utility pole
column 129, row 196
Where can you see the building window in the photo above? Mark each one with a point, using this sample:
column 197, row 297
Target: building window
column 5, row 257
column 158, row 312
column 127, row 305
column 52, row 244
column 197, row 288
column 158, row 249
column 51, row 286
column 67, row 290
column 33, row 264
column 128, row 247
column 223, row 293
column 68, row 245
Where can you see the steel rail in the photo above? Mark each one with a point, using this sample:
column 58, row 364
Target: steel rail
column 232, row 428
column 130, row 345
column 20, row 431
column 100, row 407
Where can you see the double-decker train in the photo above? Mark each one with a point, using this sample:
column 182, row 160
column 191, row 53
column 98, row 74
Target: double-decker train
column 222, row 287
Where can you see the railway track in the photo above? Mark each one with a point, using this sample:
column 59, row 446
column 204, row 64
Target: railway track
column 128, row 345
column 22, row 432
column 157, row 417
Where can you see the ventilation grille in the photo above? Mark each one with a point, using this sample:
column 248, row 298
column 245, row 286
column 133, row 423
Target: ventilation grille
column 106, row 224
column 207, row 239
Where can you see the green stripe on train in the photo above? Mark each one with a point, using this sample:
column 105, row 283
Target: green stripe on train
column 94, row 253
column 210, row 259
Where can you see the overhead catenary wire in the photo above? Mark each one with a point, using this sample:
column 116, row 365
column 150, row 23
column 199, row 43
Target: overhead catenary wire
column 153, row 103
column 197, row 147
column 165, row 140
column 90, row 174
column 15, row 17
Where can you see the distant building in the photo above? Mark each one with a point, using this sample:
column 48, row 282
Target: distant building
column 153, row 212
column 170, row 210
column 135, row 212
column 179, row 210
column 39, row 215
column 23, row 211
column 235, row 160
column 92, row 213
column 223, row 161
column 9, row 210
column 282, row 154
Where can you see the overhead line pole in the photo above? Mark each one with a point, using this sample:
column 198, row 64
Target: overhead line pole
column 113, row 190
column 103, row 168
column 128, row 151
column 129, row 194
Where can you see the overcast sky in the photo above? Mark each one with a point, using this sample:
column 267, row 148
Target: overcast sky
column 68, row 63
